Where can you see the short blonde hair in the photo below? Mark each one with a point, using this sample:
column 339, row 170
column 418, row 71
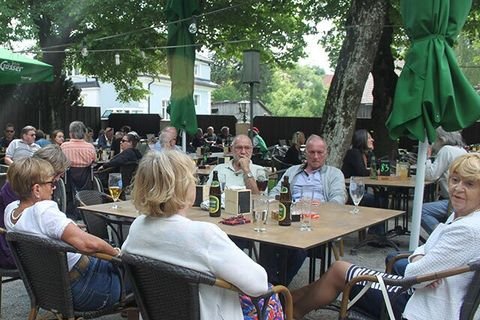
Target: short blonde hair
column 23, row 174
column 162, row 182
column 466, row 166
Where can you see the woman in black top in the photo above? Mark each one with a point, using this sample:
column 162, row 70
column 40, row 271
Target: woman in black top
column 293, row 155
column 355, row 161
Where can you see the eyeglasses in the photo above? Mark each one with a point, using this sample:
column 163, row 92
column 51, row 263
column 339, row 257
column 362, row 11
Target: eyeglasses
column 9, row 131
column 51, row 182
column 122, row 141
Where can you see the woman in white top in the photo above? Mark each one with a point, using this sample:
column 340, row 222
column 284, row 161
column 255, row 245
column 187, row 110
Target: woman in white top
column 95, row 283
column 450, row 245
column 164, row 191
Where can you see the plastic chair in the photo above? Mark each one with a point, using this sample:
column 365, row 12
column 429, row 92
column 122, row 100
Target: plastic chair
column 42, row 263
column 170, row 292
column 8, row 274
column 96, row 223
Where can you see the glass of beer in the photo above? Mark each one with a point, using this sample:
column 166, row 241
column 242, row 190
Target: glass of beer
column 115, row 187
column 262, row 180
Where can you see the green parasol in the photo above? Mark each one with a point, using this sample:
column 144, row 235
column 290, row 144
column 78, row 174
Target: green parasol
column 181, row 60
column 431, row 91
column 16, row 68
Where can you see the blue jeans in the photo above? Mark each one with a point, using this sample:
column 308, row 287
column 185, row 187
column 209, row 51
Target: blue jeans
column 433, row 213
column 400, row 265
column 98, row 288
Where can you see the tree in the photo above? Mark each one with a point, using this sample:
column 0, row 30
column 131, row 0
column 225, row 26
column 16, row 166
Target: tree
column 355, row 62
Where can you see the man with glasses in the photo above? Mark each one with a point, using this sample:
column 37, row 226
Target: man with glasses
column 22, row 148
column 9, row 134
column 240, row 171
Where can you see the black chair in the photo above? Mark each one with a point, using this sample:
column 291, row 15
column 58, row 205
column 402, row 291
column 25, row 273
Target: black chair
column 279, row 163
column 77, row 179
column 60, row 195
column 6, row 275
column 468, row 308
column 96, row 223
column 42, row 263
column 170, row 292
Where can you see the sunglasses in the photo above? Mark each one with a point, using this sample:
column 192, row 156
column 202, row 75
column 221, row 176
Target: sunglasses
column 9, row 131
column 51, row 182
column 121, row 141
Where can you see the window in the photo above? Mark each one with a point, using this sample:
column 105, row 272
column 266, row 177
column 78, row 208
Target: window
column 163, row 113
column 196, row 99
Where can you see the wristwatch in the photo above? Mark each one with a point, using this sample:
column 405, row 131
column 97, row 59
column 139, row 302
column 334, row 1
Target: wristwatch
column 249, row 175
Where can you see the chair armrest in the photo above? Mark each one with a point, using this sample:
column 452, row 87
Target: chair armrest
column 274, row 290
column 389, row 266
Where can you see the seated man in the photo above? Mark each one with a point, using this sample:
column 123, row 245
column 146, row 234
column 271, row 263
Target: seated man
column 240, row 171
column 23, row 147
column 331, row 184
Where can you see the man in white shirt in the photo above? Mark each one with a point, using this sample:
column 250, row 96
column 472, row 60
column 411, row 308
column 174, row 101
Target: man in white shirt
column 22, row 148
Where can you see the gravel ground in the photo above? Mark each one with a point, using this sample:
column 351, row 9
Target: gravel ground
column 15, row 301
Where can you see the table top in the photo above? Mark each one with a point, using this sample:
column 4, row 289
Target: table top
column 334, row 221
column 390, row 181
column 194, row 156
column 205, row 171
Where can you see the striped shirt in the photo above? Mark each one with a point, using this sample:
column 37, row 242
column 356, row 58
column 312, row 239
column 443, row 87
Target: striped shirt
column 79, row 152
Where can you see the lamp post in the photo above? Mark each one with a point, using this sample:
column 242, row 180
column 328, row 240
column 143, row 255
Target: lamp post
column 243, row 109
column 251, row 74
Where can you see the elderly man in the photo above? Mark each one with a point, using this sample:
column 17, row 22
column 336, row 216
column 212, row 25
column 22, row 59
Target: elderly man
column 80, row 153
column 329, row 184
column 22, row 148
column 167, row 139
column 9, row 134
column 240, row 171
column 224, row 138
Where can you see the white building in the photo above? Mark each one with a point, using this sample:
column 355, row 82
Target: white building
column 98, row 94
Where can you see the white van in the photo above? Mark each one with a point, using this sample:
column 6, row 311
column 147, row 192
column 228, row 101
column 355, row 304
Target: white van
column 108, row 112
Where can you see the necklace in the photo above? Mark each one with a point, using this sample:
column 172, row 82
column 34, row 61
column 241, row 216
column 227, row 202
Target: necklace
column 18, row 215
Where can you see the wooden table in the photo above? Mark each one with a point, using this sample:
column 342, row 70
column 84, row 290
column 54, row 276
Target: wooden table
column 399, row 190
column 335, row 221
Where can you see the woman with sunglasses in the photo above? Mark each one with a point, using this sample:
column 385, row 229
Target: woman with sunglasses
column 95, row 283
column 128, row 153
column 54, row 155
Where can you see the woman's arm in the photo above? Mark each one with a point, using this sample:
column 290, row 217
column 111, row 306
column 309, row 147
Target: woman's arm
column 85, row 242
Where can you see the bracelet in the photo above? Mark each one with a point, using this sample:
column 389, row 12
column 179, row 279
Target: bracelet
column 119, row 252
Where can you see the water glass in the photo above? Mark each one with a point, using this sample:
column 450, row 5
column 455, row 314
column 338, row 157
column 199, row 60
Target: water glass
column 357, row 190
column 305, row 203
column 222, row 178
column 260, row 213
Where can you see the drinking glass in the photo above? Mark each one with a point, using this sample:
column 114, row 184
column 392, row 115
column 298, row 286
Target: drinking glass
column 222, row 178
column 262, row 180
column 260, row 213
column 305, row 203
column 357, row 190
column 115, row 187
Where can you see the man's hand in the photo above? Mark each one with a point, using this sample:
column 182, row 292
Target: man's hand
column 244, row 164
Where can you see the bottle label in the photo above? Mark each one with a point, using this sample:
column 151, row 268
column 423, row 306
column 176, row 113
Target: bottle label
column 284, row 190
column 214, row 204
column 282, row 212
column 215, row 184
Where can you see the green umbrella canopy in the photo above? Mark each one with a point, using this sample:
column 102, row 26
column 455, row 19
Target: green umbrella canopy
column 432, row 91
column 181, row 61
column 16, row 68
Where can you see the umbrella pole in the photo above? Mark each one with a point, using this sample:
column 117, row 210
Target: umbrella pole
column 184, row 141
column 418, row 195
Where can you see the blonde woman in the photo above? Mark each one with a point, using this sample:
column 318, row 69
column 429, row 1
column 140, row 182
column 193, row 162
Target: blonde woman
column 95, row 283
column 164, row 191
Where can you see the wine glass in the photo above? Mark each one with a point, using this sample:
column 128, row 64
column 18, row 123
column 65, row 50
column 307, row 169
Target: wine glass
column 357, row 190
column 262, row 180
column 115, row 187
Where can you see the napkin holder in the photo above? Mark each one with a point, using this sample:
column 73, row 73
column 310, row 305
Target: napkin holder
column 201, row 194
column 237, row 201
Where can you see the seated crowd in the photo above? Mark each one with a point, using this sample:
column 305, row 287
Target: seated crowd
column 164, row 190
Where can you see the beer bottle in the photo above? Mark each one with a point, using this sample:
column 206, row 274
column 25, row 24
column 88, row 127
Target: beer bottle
column 373, row 167
column 284, row 216
column 215, row 197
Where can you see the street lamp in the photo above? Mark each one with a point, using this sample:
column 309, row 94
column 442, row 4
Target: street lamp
column 243, row 109
column 251, row 74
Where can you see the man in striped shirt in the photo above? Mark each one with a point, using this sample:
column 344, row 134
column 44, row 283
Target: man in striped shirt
column 78, row 151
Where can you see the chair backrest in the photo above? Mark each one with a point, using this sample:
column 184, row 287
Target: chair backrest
column 43, row 267
column 278, row 162
column 471, row 299
column 163, row 290
column 96, row 224
column 60, row 195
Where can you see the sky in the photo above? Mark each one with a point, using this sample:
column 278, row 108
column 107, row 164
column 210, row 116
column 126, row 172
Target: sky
column 316, row 55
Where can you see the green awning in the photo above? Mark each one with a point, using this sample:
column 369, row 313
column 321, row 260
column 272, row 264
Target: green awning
column 432, row 90
column 16, row 68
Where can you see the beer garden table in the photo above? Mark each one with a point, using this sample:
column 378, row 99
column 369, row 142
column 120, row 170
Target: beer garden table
column 334, row 221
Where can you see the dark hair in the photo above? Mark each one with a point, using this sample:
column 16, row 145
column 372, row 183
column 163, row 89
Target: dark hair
column 133, row 138
column 360, row 140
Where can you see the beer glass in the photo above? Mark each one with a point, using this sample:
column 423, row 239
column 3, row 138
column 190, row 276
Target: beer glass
column 262, row 180
column 260, row 213
column 305, row 203
column 115, row 187
column 357, row 190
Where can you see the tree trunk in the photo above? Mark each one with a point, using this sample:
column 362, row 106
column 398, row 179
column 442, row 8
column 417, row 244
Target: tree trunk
column 363, row 30
column 385, row 80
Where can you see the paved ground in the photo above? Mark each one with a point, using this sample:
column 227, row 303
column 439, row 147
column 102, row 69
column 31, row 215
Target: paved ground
column 15, row 301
